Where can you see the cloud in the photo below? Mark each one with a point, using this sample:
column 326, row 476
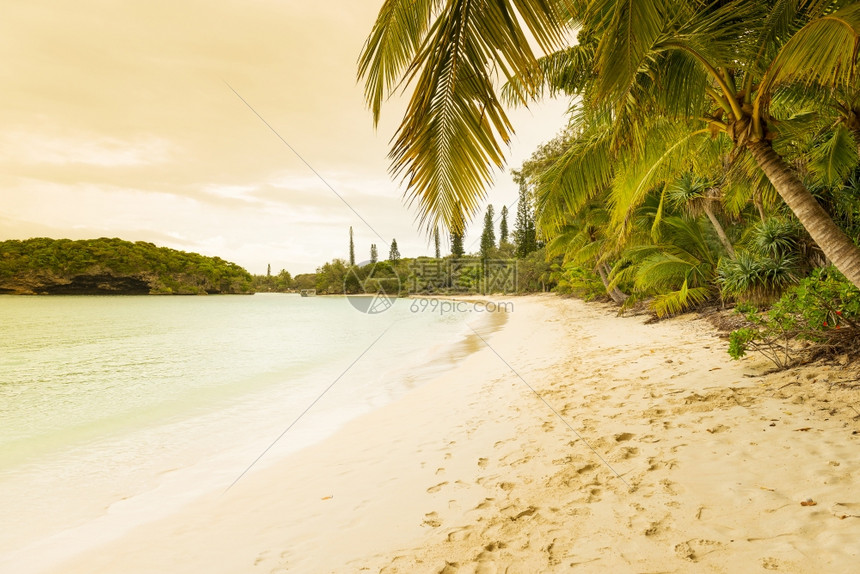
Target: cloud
column 20, row 147
column 115, row 120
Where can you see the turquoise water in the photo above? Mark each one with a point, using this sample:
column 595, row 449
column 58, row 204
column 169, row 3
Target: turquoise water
column 108, row 399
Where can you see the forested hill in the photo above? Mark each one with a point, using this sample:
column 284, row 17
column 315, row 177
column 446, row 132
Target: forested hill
column 113, row 266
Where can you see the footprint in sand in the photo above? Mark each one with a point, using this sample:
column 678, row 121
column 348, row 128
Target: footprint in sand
column 628, row 452
column 459, row 534
column 519, row 461
column 654, row 528
column 482, row 462
column 431, row 519
column 482, row 479
column 622, row 437
column 696, row 548
column 669, row 487
column 524, row 513
column 437, row 488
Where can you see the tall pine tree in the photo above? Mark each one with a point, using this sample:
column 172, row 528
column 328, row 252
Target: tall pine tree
column 525, row 237
column 457, row 245
column 436, row 241
column 374, row 254
column 351, row 248
column 394, row 253
column 503, row 226
column 488, row 236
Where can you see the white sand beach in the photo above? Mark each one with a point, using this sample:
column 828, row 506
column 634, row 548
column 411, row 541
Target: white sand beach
column 653, row 452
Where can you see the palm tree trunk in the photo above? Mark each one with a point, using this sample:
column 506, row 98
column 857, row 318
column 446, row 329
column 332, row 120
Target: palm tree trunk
column 759, row 204
column 832, row 241
column 721, row 233
column 616, row 294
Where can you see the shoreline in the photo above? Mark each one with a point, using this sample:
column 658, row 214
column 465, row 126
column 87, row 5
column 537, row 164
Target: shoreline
column 472, row 472
column 105, row 519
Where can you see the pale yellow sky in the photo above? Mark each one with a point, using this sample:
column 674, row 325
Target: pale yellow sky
column 115, row 120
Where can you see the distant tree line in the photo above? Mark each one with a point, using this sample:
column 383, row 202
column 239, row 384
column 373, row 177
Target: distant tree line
column 517, row 258
column 43, row 262
column 281, row 283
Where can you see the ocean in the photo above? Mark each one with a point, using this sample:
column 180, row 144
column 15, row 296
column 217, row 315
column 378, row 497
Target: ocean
column 118, row 410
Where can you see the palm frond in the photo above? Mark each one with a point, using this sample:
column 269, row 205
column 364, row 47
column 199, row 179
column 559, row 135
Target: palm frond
column 777, row 26
column 745, row 182
column 454, row 131
column 674, row 302
column 835, row 157
column 565, row 71
column 824, row 51
column 585, row 169
column 666, row 157
column 391, row 46
column 628, row 30
column 680, row 84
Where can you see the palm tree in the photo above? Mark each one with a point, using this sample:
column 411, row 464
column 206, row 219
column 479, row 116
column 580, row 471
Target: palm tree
column 680, row 270
column 696, row 195
column 703, row 70
column 584, row 242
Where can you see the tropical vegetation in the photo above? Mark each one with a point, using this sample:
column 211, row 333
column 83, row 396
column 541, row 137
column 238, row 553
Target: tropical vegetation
column 43, row 265
column 494, row 267
column 711, row 150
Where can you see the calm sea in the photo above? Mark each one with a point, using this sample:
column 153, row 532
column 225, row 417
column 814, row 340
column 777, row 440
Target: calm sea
column 136, row 405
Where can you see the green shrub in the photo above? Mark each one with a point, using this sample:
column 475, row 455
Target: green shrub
column 823, row 309
column 755, row 278
column 580, row 282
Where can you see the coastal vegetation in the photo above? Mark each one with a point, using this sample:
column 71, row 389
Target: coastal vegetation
column 710, row 156
column 497, row 266
column 283, row 282
column 113, row 266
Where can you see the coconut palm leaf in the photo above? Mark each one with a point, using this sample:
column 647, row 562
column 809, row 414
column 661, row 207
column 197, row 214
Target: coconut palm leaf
column 629, row 29
column 745, row 183
column 668, row 155
column 778, row 25
column 566, row 71
column 674, row 302
column 584, row 170
column 454, row 130
column 684, row 253
column 391, row 46
column 824, row 51
column 835, row 157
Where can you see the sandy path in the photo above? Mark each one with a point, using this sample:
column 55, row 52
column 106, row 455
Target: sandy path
column 473, row 473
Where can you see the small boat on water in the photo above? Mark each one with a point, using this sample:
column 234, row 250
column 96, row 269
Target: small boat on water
column 308, row 292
